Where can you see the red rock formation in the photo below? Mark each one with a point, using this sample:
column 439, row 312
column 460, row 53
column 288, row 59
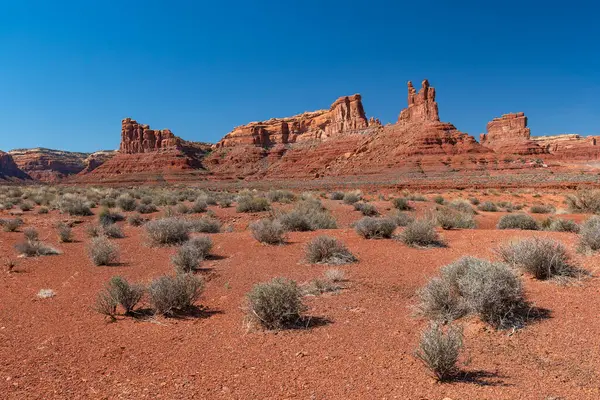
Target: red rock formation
column 509, row 134
column 48, row 165
column 421, row 106
column 137, row 138
column 346, row 115
column 9, row 170
column 570, row 146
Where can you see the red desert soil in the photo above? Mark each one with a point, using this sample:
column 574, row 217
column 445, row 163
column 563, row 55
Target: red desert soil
column 361, row 347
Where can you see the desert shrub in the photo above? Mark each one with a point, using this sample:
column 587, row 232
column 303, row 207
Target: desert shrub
column 474, row 286
column 168, row 294
column 351, row 197
column 449, row 218
column 308, row 215
column 562, row 225
column 135, row 220
column 541, row 257
column 401, row 219
column 126, row 202
column 517, row 221
column 26, row 206
column 268, row 231
column 94, row 230
column 31, row 234
column 589, row 234
column 421, row 233
column 113, row 231
column 205, row 225
column 146, row 200
column 43, row 210
column 199, row 206
column 438, row 199
column 415, row 197
column 123, row 293
column 328, row 250
column 541, row 209
column 375, row 228
column 65, row 233
column 167, row 231
column 107, row 217
column 191, row 253
column 102, row 251
column 225, row 202
column 474, row 201
column 318, row 286
column 400, row 203
column 487, row 206
column 439, row 350
column 182, row 208
column 74, row 205
column 366, row 209
column 108, row 202
column 337, row 196
column 584, row 201
column 146, row 208
column 250, row 204
column 462, row 206
column 35, row 248
column 106, row 304
column 276, row 304
column 11, row 225
column 280, row 196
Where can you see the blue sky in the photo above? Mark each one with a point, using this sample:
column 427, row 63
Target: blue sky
column 71, row 70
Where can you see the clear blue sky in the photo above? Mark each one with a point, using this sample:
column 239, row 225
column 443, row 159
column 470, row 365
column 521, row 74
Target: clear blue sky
column 71, row 70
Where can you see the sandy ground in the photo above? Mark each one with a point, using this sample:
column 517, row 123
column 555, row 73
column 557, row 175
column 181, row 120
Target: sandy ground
column 360, row 346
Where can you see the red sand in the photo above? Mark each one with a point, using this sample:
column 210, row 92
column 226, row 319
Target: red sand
column 60, row 348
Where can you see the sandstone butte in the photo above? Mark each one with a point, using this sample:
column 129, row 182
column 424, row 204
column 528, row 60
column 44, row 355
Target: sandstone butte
column 339, row 142
column 48, row 165
column 9, row 170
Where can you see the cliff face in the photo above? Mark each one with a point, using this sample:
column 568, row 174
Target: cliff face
column 9, row 169
column 510, row 134
column 48, row 165
column 346, row 115
column 421, row 106
column 139, row 138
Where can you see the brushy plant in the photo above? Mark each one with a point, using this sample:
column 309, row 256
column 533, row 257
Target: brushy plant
column 205, row 225
column 35, row 248
column 421, row 233
column 462, row 206
column 488, row 206
column 439, row 199
column 146, row 208
column 43, row 210
column 375, row 228
column 168, row 295
column 449, row 218
column 167, row 231
column 135, row 220
column 74, row 205
column 113, row 231
column 268, row 231
column 401, row 204
column 589, row 234
column 65, row 233
column 351, row 197
column 474, row 200
column 366, row 209
column 102, row 251
column 401, row 218
column 126, row 202
column 250, row 204
column 335, row 275
column 561, row 225
column 541, row 257
column 107, row 217
column 280, row 196
column 199, row 206
column 11, row 225
column 518, row 221
column 191, row 253
column 584, row 201
column 337, row 196
column 541, row 209
column 328, row 250
column 31, row 234
column 123, row 293
column 276, row 304
column 439, row 350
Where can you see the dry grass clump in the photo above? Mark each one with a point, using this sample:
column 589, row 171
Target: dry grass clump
column 366, row 209
column 107, row 217
column 401, row 204
column 276, row 304
column 168, row 295
column 113, row 231
column 118, row 291
column 126, row 203
column 191, row 253
column 102, row 251
column 249, row 204
column 541, row 209
column 421, row 233
column 401, row 219
column 518, row 221
column 375, row 228
column 74, row 205
column 584, row 201
column 146, row 208
column 589, row 234
column 488, row 206
column 65, row 233
column 268, row 231
column 449, row 218
column 560, row 225
column 280, row 196
column 352, row 197
column 199, row 206
column 328, row 250
column 307, row 215
column 135, row 220
column 541, row 257
column 205, row 225
column 11, row 225
column 337, row 196
column 462, row 206
column 167, row 231
column 474, row 286
column 439, row 350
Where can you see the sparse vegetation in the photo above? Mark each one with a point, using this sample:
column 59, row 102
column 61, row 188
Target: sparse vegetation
column 449, row 218
column 205, row 225
column 276, row 304
column 439, row 350
column 11, row 225
column 584, row 201
column 328, row 250
column 401, row 204
column 352, row 197
column 249, row 204
column 421, row 233
column 102, row 251
column 168, row 295
column 541, row 209
column 65, row 233
column 589, row 234
column 401, row 218
column 487, row 206
column 518, row 221
column 167, row 231
column 375, row 228
column 268, row 231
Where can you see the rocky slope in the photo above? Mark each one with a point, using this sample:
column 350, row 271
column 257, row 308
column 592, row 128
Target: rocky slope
column 49, row 165
column 9, row 170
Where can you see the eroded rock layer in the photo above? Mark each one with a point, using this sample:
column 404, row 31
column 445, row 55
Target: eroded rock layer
column 9, row 170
